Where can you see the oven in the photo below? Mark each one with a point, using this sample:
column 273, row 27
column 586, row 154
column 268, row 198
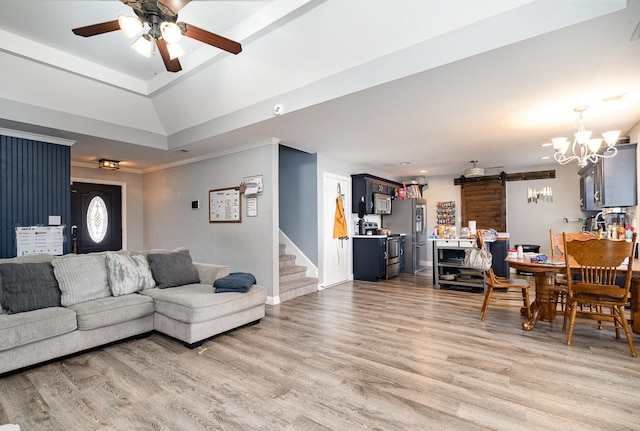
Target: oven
column 393, row 256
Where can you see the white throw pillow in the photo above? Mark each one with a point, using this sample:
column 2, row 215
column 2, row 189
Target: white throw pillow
column 128, row 273
column 81, row 277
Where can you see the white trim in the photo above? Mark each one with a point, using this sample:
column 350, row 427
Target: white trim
column 123, row 197
column 36, row 137
column 273, row 300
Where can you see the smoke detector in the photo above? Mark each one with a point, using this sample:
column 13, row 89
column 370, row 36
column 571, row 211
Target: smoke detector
column 474, row 171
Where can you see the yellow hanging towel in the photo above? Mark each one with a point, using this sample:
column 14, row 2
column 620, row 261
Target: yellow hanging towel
column 339, row 223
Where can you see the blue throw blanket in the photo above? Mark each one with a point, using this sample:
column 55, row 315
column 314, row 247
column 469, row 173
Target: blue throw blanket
column 235, row 282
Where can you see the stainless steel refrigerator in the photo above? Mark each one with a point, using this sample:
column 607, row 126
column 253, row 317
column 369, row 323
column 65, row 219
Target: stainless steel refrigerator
column 409, row 216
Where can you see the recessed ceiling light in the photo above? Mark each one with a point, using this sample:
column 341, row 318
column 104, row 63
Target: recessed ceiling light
column 546, row 144
column 545, row 157
column 423, row 171
column 405, row 163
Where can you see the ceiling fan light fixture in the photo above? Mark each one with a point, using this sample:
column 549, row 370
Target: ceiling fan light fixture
column 130, row 25
column 170, row 32
column 175, row 50
column 143, row 45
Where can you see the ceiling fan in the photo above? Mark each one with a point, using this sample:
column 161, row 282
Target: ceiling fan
column 161, row 16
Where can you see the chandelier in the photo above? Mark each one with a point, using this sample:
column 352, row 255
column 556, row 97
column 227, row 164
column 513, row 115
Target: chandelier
column 584, row 149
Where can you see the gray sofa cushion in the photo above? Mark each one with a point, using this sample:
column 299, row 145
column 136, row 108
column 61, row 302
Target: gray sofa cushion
column 108, row 311
column 24, row 328
column 172, row 269
column 82, row 277
column 195, row 303
column 29, row 286
column 32, row 258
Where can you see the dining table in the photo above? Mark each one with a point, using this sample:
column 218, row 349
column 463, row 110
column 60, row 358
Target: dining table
column 545, row 305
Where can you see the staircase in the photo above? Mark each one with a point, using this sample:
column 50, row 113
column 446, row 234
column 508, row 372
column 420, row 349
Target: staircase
column 293, row 278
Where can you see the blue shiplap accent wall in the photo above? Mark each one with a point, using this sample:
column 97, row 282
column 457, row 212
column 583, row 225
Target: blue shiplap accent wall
column 298, row 199
column 34, row 184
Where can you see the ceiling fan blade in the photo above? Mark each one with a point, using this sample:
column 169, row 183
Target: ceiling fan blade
column 213, row 39
column 174, row 5
column 171, row 65
column 95, row 29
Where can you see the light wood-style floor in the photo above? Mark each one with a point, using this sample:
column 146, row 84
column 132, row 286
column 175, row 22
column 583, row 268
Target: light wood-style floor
column 395, row 355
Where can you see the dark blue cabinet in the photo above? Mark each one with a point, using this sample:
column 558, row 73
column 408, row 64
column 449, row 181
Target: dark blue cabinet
column 369, row 258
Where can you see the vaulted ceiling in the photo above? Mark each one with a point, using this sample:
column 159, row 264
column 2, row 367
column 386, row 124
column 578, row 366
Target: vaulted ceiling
column 377, row 82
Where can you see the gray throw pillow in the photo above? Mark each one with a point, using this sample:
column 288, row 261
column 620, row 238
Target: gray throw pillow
column 29, row 286
column 172, row 269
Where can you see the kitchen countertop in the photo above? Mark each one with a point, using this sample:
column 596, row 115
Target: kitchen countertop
column 379, row 236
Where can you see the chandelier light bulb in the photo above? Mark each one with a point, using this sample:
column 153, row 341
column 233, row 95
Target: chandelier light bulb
column 583, row 136
column 594, row 145
column 611, row 137
column 560, row 144
column 129, row 25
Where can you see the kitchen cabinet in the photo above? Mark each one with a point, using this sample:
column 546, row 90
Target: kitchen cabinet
column 365, row 185
column 615, row 179
column 369, row 258
column 587, row 201
column 448, row 266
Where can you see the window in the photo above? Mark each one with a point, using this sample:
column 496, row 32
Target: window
column 97, row 219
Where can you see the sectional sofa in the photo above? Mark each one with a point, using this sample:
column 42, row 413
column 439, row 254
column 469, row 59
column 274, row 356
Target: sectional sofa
column 55, row 306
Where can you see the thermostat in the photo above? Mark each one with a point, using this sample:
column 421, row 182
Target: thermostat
column 195, row 205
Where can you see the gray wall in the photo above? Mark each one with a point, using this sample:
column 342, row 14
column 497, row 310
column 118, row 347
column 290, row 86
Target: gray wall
column 132, row 188
column 298, row 199
column 249, row 246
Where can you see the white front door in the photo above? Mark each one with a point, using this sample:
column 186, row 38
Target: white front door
column 337, row 263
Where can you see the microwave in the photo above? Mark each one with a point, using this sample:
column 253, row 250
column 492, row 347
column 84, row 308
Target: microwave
column 381, row 203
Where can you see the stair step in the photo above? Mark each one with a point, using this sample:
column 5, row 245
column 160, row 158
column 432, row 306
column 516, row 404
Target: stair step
column 287, row 260
column 282, row 247
column 289, row 273
column 298, row 287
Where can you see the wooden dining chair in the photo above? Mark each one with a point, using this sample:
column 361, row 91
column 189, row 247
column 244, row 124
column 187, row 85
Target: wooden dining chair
column 595, row 298
column 557, row 251
column 504, row 291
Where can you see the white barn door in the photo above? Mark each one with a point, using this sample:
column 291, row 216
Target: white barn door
column 337, row 262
